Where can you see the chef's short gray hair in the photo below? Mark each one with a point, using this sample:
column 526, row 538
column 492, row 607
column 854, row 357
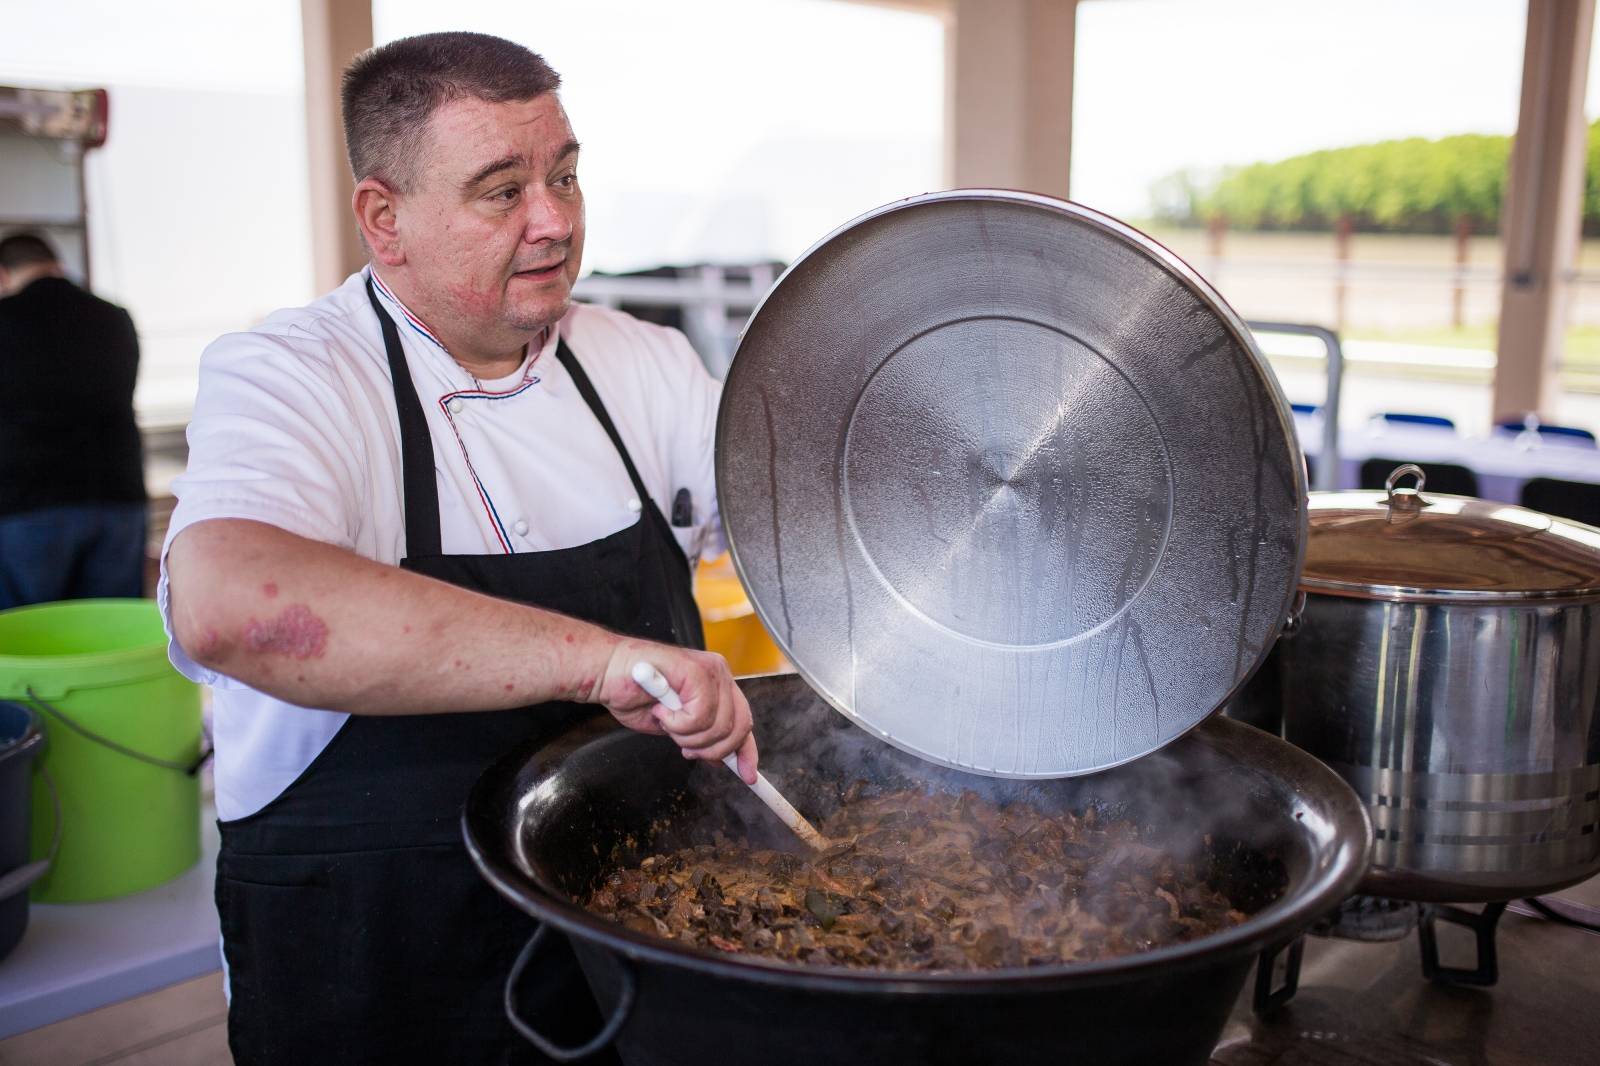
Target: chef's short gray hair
column 389, row 94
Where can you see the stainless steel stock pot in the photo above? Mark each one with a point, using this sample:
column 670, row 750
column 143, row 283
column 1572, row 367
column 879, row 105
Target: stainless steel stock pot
column 1447, row 665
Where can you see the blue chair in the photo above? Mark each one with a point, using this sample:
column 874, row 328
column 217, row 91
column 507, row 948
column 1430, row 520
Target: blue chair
column 1405, row 418
column 1447, row 478
column 1565, row 434
column 1577, row 500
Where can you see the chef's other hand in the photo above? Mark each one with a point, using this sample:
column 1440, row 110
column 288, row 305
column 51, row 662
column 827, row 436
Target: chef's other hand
column 715, row 719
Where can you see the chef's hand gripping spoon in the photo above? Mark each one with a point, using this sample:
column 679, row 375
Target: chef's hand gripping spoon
column 649, row 678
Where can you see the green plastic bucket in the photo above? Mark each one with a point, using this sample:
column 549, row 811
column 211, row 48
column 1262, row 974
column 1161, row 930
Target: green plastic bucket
column 122, row 745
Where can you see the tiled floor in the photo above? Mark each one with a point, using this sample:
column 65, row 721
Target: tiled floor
column 1367, row 1004
column 184, row 1025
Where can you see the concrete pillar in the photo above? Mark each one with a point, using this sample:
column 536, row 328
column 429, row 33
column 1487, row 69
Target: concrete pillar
column 335, row 31
column 1543, row 205
column 1008, row 94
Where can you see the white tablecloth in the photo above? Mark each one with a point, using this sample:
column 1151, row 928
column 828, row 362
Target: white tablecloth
column 1503, row 463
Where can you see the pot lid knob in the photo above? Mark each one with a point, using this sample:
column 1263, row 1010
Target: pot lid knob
column 1405, row 499
column 1399, row 545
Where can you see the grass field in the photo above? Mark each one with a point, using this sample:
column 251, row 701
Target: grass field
column 1398, row 288
column 1582, row 342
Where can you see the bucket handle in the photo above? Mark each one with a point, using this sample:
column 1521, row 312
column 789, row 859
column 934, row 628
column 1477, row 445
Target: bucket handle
column 22, row 877
column 191, row 768
column 607, row 1032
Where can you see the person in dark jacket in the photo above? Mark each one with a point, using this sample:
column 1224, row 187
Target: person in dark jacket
column 72, row 500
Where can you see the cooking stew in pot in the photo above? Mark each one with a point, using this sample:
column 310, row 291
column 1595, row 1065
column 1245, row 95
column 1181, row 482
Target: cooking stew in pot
column 925, row 880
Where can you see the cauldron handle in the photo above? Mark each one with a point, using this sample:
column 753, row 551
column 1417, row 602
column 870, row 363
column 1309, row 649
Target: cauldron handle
column 607, row 1032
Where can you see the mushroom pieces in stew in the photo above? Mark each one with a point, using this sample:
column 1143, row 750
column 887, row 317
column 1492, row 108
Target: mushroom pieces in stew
column 926, row 881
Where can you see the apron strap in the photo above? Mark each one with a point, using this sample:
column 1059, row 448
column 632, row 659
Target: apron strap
column 421, row 495
column 421, row 488
column 592, row 398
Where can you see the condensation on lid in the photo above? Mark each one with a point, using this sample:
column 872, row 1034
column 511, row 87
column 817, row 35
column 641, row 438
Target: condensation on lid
column 1030, row 505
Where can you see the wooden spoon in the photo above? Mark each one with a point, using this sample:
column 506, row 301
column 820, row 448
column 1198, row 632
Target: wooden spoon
column 649, row 678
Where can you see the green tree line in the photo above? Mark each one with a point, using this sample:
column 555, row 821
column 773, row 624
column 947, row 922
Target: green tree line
column 1413, row 185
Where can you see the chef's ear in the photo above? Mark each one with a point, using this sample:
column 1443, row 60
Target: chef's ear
column 374, row 204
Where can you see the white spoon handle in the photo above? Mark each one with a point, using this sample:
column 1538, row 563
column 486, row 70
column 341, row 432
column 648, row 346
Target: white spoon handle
column 649, row 678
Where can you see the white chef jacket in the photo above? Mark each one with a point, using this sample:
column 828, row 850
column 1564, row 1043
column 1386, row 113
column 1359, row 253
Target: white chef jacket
column 295, row 425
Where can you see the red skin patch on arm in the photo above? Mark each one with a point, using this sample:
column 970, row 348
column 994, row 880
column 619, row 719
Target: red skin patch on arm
column 270, row 590
column 510, row 687
column 211, row 645
column 570, row 638
column 295, row 632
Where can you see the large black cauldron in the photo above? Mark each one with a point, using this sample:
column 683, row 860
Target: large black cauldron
column 1287, row 835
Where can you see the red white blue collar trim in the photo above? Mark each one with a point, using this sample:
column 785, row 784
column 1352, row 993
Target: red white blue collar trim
column 411, row 319
column 537, row 347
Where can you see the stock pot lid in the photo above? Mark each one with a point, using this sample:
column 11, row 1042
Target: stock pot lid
column 1009, row 484
column 1411, row 544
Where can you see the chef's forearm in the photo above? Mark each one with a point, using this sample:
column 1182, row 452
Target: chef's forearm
column 321, row 627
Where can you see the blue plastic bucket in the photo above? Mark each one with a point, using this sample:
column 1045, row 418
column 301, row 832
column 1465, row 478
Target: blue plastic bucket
column 20, row 742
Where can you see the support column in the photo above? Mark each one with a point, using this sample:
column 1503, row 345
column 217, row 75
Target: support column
column 1008, row 94
column 334, row 31
column 1543, row 207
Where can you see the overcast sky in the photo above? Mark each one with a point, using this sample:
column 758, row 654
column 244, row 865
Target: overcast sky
column 719, row 130
column 1163, row 84
column 734, row 93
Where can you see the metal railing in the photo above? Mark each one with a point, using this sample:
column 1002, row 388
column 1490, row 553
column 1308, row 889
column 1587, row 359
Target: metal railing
column 1326, row 478
column 713, row 305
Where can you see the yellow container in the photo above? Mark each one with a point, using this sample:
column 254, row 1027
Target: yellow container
column 732, row 628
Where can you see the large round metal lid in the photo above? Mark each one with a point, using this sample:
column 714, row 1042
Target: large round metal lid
column 1009, row 484
column 1405, row 543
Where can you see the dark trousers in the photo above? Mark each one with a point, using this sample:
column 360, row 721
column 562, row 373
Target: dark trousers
column 72, row 552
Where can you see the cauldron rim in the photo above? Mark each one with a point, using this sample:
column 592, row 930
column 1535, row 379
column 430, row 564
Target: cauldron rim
column 1274, row 924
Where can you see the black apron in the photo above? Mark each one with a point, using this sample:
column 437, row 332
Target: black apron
column 355, row 927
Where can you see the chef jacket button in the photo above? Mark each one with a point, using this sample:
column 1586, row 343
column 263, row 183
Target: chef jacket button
column 521, row 526
column 635, row 506
column 455, row 406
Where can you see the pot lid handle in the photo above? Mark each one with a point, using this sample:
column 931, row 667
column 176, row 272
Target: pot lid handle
column 1407, row 499
column 1402, row 545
